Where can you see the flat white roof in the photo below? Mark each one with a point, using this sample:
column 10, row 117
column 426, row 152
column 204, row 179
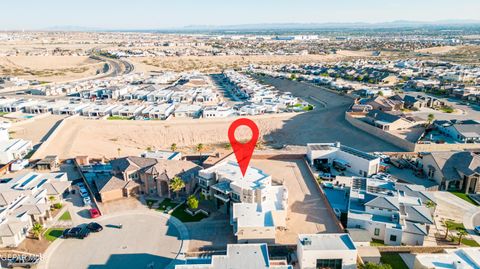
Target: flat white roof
column 239, row 256
column 261, row 215
column 341, row 241
column 228, row 170
column 468, row 258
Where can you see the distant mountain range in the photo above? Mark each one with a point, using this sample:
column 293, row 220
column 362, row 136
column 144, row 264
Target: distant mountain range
column 287, row 26
column 333, row 25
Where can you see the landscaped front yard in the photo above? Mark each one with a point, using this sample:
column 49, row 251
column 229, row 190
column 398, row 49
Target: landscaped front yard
column 464, row 196
column 394, row 260
column 166, row 204
column 53, row 233
column 65, row 216
column 377, row 243
column 183, row 216
column 455, row 226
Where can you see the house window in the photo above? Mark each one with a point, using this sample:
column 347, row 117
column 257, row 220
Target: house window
column 393, row 238
column 376, row 232
column 329, row 263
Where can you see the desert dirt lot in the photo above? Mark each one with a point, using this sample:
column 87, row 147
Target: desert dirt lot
column 49, row 68
column 35, row 130
column 219, row 63
column 307, row 212
column 437, row 50
column 99, row 138
column 111, row 138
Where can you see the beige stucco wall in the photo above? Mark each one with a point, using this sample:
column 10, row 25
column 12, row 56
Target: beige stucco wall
column 395, row 140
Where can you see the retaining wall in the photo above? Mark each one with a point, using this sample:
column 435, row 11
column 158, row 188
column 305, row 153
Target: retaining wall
column 402, row 143
column 395, row 140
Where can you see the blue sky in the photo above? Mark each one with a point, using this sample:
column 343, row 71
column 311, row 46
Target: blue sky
column 151, row 14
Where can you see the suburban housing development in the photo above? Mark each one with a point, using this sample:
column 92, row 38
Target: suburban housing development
column 117, row 146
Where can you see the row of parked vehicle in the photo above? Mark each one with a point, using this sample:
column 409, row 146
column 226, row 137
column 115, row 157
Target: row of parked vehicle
column 381, row 175
column 82, row 231
column 84, row 194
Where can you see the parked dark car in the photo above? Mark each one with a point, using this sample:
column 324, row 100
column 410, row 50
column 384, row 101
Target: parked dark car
column 76, row 232
column 23, row 261
column 94, row 227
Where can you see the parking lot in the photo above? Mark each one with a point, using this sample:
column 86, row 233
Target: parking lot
column 307, row 211
column 146, row 240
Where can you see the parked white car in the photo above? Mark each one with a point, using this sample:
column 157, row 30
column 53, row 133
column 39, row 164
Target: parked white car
column 87, row 201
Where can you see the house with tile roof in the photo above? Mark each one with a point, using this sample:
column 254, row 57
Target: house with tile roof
column 453, row 170
column 391, row 212
column 384, row 104
column 134, row 175
column 387, row 121
column 25, row 200
column 462, row 131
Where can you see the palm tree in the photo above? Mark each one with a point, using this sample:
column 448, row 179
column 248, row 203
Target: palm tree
column 173, row 147
column 461, row 234
column 176, row 185
column 449, row 225
column 118, row 151
column 431, row 205
column 430, row 119
column 37, row 230
column 228, row 146
column 200, row 147
column 51, row 199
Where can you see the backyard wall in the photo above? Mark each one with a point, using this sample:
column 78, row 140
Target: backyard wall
column 402, row 143
column 444, row 147
column 395, row 140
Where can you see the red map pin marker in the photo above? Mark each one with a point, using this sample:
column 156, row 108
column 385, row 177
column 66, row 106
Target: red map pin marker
column 243, row 151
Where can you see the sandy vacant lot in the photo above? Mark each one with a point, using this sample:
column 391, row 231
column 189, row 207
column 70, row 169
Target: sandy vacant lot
column 35, row 130
column 219, row 63
column 104, row 138
column 49, row 68
column 99, row 138
column 438, row 50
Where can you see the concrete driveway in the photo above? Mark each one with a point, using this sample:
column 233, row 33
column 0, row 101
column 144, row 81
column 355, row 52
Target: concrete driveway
column 450, row 206
column 148, row 239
